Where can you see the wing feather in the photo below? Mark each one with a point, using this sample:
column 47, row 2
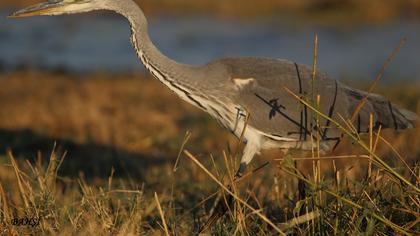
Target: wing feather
column 276, row 113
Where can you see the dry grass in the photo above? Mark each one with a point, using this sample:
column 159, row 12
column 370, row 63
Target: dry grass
column 123, row 135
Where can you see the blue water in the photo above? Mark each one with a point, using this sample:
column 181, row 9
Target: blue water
column 94, row 42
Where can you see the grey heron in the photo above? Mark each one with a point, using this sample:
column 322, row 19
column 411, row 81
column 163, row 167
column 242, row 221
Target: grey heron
column 247, row 95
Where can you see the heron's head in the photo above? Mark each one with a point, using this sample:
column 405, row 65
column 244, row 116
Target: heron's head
column 59, row 7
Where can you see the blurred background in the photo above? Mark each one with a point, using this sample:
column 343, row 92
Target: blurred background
column 355, row 36
column 76, row 79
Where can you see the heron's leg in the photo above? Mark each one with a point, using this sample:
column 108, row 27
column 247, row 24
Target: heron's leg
column 249, row 152
column 251, row 148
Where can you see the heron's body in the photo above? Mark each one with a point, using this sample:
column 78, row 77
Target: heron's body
column 247, row 95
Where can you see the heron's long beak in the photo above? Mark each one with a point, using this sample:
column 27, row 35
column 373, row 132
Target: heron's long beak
column 45, row 8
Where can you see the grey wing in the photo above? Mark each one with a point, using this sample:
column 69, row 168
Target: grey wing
column 278, row 114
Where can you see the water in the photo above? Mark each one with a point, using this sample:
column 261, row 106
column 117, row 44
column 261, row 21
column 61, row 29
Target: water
column 89, row 43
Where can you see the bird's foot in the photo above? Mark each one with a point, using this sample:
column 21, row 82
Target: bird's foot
column 224, row 204
column 240, row 172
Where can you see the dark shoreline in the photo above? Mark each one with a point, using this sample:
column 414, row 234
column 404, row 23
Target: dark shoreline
column 325, row 12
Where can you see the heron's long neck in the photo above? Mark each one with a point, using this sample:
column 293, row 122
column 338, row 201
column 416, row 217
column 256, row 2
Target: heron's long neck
column 163, row 68
column 180, row 78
